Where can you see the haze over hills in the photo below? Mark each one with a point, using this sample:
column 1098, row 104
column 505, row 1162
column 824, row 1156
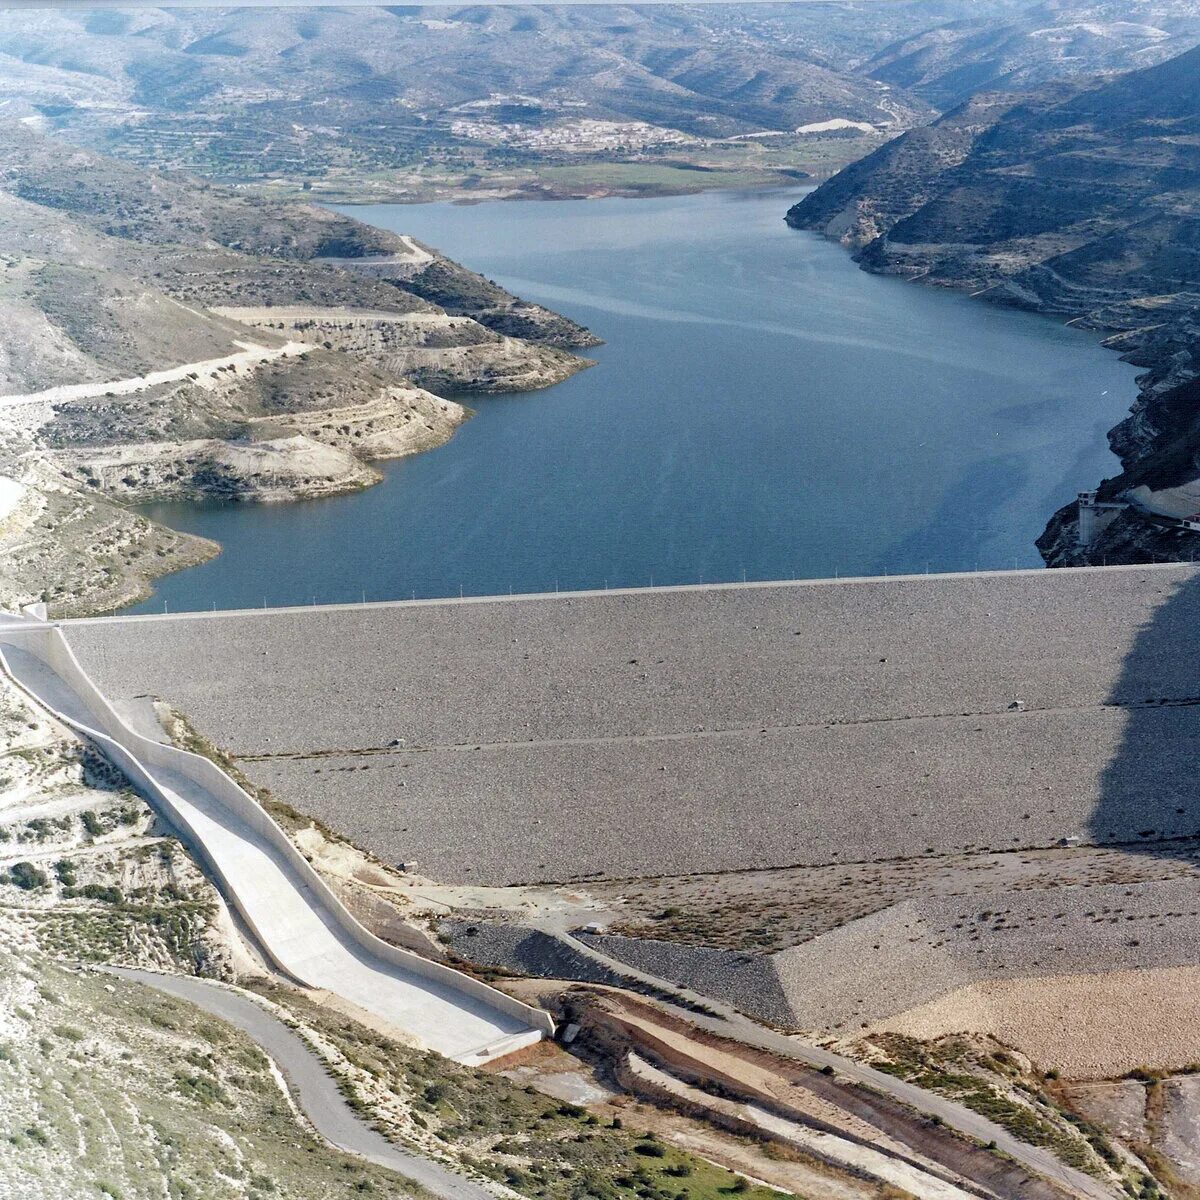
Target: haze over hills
column 1076, row 199
column 406, row 102
column 1035, row 43
column 302, row 94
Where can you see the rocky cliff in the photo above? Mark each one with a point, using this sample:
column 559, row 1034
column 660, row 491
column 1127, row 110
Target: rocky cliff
column 1081, row 200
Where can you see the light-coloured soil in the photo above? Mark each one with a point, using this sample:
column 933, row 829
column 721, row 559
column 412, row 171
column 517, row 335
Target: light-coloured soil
column 82, row 554
column 396, row 423
column 248, row 358
column 856, row 1156
column 1086, row 1026
column 1158, row 1117
column 11, row 494
column 284, row 468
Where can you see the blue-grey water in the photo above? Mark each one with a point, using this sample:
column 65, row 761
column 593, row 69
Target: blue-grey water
column 761, row 409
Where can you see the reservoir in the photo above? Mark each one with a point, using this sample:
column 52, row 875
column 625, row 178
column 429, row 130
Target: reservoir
column 761, row 409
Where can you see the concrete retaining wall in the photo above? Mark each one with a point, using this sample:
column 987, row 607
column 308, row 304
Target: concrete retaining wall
column 137, row 756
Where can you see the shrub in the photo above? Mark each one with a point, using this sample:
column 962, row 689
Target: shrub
column 96, row 891
column 26, row 876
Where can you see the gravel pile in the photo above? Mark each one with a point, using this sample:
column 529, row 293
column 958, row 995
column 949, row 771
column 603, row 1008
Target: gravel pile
column 911, row 953
column 746, row 981
column 526, row 951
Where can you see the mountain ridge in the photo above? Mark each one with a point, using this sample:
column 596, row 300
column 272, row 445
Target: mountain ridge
column 1081, row 200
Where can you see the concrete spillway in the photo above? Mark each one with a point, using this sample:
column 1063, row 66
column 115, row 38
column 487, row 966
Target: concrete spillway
column 298, row 922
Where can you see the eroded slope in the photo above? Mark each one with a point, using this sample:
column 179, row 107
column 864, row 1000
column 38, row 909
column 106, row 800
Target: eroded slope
column 168, row 339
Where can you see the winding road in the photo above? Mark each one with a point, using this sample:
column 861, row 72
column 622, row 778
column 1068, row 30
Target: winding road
column 248, row 357
column 312, row 1088
column 298, row 922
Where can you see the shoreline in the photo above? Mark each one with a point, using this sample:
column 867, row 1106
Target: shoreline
column 1105, row 335
column 233, row 585
column 549, row 195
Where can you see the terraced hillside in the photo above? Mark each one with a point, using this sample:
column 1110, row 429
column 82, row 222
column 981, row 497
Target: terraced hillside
column 172, row 339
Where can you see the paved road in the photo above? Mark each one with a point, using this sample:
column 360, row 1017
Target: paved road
column 731, row 1024
column 313, row 1090
column 294, row 922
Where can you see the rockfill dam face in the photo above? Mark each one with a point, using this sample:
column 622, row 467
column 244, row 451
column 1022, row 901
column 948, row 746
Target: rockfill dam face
column 708, row 729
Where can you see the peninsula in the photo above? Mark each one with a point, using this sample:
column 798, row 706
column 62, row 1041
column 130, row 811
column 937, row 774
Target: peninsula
column 173, row 339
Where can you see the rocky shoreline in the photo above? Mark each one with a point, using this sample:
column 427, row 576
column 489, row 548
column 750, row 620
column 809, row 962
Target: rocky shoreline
column 184, row 342
column 1155, row 443
column 1077, row 200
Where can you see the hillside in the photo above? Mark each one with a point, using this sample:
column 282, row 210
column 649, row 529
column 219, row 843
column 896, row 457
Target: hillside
column 1078, row 200
column 1033, row 44
column 170, row 339
column 404, row 102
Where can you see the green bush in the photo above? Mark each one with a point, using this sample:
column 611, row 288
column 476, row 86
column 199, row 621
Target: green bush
column 26, row 876
column 96, row 891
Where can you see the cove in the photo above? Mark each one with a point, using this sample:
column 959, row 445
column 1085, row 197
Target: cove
column 761, row 409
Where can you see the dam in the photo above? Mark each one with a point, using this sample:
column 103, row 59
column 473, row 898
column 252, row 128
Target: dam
column 654, row 732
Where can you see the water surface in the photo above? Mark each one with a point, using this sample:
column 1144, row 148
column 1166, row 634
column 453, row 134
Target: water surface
column 761, row 409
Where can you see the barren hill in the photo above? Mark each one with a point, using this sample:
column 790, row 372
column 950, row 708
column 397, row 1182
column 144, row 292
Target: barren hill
column 169, row 338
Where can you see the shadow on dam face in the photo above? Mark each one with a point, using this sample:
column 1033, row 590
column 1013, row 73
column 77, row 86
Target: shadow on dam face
column 1150, row 790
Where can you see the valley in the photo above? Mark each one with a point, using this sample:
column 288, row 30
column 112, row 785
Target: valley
column 411, row 104
column 562, row 701
column 655, row 466
column 1080, row 201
